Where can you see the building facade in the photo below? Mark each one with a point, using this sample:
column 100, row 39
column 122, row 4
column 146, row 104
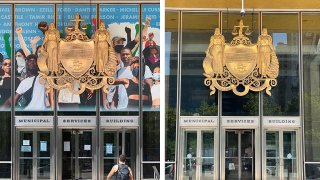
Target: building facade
column 256, row 136
column 62, row 135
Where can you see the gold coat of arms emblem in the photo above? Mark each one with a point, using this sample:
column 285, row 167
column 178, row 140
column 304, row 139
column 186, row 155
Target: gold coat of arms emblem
column 77, row 60
column 240, row 65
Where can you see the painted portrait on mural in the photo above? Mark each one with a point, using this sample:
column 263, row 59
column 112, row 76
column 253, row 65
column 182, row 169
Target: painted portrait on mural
column 124, row 30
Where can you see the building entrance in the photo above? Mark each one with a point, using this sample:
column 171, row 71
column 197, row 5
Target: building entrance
column 77, row 154
column 198, row 155
column 239, row 154
column 280, row 159
column 115, row 143
column 34, row 152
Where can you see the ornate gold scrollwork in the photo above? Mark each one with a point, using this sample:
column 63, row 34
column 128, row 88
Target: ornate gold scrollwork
column 240, row 63
column 77, row 60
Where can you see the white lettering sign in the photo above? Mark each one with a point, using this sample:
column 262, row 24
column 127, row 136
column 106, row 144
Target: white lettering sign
column 119, row 121
column 70, row 121
column 281, row 121
column 199, row 121
column 34, row 121
column 235, row 122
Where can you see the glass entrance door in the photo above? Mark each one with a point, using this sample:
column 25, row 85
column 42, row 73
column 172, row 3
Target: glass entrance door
column 198, row 155
column 280, row 155
column 239, row 155
column 34, row 155
column 77, row 154
column 117, row 142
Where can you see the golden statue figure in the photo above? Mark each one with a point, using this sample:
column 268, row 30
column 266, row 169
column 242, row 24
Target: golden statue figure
column 77, row 59
column 104, row 51
column 214, row 54
column 265, row 48
column 227, row 66
column 51, row 40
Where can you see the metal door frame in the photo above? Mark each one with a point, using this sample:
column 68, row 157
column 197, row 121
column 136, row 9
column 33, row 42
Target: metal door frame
column 199, row 131
column 123, row 131
column 35, row 151
column 256, row 147
column 298, row 152
column 59, row 145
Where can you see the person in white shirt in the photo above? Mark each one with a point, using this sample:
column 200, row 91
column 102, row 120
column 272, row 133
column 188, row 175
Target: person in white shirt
column 39, row 99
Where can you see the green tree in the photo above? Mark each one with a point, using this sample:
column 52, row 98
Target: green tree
column 207, row 110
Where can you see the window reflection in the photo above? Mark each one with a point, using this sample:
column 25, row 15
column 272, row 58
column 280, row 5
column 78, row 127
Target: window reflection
column 311, row 64
column 195, row 96
column 233, row 105
column 171, row 58
column 285, row 96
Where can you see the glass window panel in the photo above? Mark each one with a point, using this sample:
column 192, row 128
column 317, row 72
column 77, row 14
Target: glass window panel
column 5, row 136
column 123, row 23
column 171, row 58
column 169, row 171
column 272, row 154
column 27, row 38
column 26, row 144
column 43, row 144
column 151, row 54
column 43, row 170
column 290, row 154
column 311, row 64
column 67, row 101
column 313, row 171
column 233, row 105
column 5, row 170
column 5, row 54
column 148, row 171
column 151, row 136
column 197, row 28
column 190, row 154
column 25, row 167
column 207, row 155
column 283, row 28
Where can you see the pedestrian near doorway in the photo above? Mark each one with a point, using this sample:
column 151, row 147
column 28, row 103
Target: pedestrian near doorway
column 121, row 171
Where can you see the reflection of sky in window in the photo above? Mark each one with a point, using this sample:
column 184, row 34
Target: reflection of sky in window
column 167, row 52
column 279, row 38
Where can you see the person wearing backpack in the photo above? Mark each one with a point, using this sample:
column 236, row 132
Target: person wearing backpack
column 121, row 171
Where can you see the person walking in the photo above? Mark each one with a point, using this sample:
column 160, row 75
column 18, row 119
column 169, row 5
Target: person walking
column 121, row 170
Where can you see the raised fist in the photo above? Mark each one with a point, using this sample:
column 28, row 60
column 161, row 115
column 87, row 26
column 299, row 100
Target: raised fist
column 128, row 30
column 148, row 21
column 19, row 30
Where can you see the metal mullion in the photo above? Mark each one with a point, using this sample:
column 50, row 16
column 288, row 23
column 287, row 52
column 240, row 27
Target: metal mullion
column 239, row 154
column 220, row 147
column 140, row 108
column 281, row 157
column 262, row 132
column 179, row 131
column 34, row 154
column 302, row 146
column 123, row 144
column 198, row 154
column 55, row 131
column 14, row 137
column 76, row 153
column 117, row 142
column 99, row 145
